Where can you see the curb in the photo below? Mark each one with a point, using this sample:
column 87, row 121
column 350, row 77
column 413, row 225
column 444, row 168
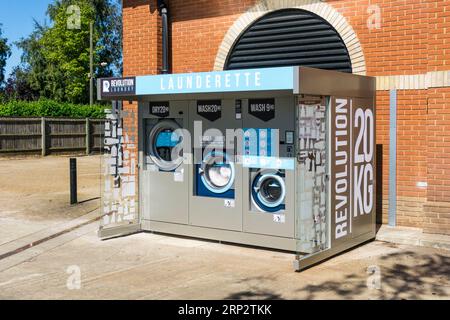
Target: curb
column 412, row 236
column 19, row 245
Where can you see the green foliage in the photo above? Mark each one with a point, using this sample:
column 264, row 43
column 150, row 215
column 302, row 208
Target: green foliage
column 50, row 108
column 56, row 57
column 5, row 52
column 17, row 87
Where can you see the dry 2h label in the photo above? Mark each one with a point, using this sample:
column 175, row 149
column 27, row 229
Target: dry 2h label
column 160, row 108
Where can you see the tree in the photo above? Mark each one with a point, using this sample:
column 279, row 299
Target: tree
column 37, row 70
column 5, row 53
column 57, row 56
column 18, row 87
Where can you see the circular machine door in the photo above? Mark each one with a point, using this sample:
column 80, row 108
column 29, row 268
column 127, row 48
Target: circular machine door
column 162, row 143
column 268, row 191
column 217, row 172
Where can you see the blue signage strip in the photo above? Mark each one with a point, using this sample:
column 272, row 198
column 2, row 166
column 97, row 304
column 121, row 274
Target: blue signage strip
column 264, row 79
column 268, row 162
column 261, row 142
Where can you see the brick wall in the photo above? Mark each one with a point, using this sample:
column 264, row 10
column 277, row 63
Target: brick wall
column 413, row 39
column 141, row 55
column 438, row 150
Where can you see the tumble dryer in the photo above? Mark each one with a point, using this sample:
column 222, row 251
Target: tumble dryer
column 216, row 188
column 164, row 184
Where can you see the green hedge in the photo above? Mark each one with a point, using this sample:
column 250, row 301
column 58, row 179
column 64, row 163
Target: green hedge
column 50, row 108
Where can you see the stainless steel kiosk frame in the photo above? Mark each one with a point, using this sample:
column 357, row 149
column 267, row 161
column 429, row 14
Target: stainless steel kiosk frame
column 320, row 128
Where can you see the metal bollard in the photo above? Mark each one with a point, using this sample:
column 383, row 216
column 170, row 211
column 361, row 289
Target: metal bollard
column 73, row 181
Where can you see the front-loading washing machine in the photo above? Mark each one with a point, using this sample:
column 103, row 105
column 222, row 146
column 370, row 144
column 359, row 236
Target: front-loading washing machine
column 215, row 175
column 216, row 188
column 269, row 166
column 165, row 179
column 268, row 190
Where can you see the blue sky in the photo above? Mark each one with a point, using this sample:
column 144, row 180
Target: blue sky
column 17, row 16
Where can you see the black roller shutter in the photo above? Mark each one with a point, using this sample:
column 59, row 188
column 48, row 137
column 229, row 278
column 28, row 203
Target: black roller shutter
column 290, row 37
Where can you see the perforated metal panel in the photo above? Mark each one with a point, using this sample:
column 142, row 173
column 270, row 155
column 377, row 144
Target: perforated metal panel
column 290, row 37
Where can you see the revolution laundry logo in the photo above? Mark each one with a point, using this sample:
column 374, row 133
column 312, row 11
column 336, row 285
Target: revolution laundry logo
column 118, row 86
column 209, row 109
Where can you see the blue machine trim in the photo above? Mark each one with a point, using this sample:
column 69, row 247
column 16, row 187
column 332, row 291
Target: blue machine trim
column 202, row 191
column 253, row 138
column 259, row 162
column 167, row 139
column 260, row 204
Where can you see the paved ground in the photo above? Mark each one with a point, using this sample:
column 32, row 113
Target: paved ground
column 151, row 266
column 34, row 193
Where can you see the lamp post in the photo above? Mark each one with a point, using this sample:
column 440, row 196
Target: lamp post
column 91, row 64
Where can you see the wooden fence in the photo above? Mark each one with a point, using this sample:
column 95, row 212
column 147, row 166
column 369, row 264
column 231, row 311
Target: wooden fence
column 50, row 135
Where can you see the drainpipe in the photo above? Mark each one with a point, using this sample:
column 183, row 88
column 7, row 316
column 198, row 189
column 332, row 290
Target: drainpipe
column 164, row 12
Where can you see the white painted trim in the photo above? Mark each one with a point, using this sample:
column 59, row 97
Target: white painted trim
column 318, row 7
column 433, row 79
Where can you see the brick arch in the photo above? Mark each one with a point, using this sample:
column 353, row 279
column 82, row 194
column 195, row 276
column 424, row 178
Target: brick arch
column 318, row 7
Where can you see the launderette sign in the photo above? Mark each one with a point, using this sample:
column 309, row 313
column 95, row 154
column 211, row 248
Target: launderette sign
column 221, row 81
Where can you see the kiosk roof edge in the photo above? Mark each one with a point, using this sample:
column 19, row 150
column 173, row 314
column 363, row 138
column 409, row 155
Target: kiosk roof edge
column 292, row 79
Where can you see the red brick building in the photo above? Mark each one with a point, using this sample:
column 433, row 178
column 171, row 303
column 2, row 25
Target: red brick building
column 405, row 44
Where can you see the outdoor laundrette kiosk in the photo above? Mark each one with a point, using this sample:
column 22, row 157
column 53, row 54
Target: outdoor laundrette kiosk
column 281, row 158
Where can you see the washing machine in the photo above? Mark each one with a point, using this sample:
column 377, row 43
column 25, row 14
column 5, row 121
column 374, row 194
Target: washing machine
column 165, row 179
column 268, row 190
column 216, row 175
column 216, row 189
column 269, row 166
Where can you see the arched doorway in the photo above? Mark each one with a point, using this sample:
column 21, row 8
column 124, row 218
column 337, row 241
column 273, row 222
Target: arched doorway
column 289, row 37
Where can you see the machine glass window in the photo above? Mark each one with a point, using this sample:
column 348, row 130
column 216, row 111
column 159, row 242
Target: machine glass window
column 217, row 173
column 271, row 190
column 165, row 145
column 166, row 140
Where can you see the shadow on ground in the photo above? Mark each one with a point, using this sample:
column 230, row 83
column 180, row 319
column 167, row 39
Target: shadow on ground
column 401, row 275
column 254, row 294
column 393, row 277
column 253, row 291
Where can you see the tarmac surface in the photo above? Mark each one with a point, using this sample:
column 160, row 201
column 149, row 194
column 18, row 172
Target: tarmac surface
column 76, row 264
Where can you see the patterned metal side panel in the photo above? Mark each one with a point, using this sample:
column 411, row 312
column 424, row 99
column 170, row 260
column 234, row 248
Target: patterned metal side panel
column 312, row 177
column 119, row 173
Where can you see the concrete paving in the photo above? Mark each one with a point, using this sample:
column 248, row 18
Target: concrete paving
column 154, row 266
column 413, row 236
